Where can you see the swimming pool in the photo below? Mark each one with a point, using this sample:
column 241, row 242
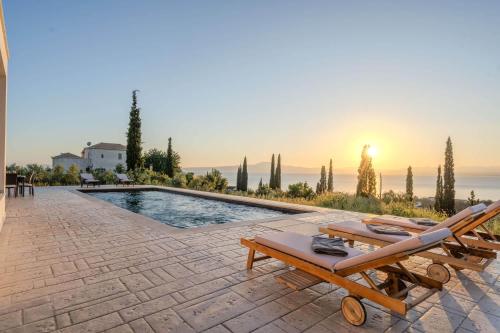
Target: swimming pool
column 183, row 211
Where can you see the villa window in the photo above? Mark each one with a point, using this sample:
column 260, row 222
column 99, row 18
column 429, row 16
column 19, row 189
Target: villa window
column 102, row 155
column 119, row 156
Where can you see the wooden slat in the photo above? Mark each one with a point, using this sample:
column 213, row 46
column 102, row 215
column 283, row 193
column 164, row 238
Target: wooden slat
column 298, row 279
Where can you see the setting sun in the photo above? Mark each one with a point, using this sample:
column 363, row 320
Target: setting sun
column 372, row 151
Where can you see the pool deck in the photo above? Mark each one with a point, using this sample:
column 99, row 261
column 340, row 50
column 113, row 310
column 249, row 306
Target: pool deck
column 72, row 263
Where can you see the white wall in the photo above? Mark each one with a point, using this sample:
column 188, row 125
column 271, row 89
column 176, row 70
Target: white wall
column 66, row 162
column 4, row 57
column 104, row 158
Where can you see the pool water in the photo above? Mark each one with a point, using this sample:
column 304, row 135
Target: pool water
column 183, row 211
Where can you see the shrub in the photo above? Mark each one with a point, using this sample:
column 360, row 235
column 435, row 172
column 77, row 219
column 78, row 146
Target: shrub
column 300, row 190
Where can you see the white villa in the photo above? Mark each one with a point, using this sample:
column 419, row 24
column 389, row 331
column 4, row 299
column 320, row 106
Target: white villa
column 99, row 156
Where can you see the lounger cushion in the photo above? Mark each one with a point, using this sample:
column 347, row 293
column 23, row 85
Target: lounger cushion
column 409, row 246
column 493, row 207
column 467, row 212
column 396, row 221
column 122, row 177
column 358, row 228
column 299, row 246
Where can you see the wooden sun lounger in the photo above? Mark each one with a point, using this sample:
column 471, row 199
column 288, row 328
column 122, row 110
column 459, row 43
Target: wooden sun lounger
column 294, row 249
column 88, row 179
column 465, row 228
column 456, row 254
column 122, row 178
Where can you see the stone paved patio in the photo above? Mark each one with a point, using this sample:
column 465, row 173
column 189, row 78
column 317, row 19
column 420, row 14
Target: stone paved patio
column 72, row 264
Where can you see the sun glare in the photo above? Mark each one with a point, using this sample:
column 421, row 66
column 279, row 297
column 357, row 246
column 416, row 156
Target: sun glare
column 372, row 151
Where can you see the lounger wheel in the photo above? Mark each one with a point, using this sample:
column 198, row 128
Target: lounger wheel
column 353, row 310
column 438, row 272
column 392, row 289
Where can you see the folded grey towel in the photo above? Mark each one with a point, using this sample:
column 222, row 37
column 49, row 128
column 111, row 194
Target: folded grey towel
column 424, row 221
column 331, row 246
column 387, row 230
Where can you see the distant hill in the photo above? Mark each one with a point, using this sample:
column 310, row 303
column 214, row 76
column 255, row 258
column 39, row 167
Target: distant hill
column 264, row 167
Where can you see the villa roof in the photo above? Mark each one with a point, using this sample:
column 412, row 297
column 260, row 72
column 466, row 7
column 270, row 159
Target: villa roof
column 66, row 155
column 108, row 146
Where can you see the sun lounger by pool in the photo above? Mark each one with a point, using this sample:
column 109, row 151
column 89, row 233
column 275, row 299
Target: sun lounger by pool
column 456, row 254
column 463, row 224
column 88, row 179
column 295, row 250
column 122, row 178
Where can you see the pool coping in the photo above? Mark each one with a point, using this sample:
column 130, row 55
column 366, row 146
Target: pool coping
column 295, row 210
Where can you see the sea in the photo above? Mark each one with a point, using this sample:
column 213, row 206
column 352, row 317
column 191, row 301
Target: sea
column 484, row 187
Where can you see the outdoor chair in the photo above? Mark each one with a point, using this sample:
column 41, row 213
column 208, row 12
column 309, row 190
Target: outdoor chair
column 29, row 184
column 465, row 227
column 122, row 178
column 88, row 179
column 295, row 250
column 11, row 183
column 453, row 251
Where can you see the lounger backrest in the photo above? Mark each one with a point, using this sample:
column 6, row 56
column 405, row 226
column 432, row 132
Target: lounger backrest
column 415, row 244
column 122, row 176
column 87, row 176
column 451, row 221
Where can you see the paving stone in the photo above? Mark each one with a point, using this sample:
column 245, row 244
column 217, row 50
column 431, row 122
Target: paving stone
column 168, row 288
column 10, row 320
column 87, row 293
column 42, row 326
column 37, row 313
column 95, row 325
column 204, row 288
column 438, row 320
column 478, row 321
column 146, row 308
column 141, row 326
column 168, row 321
column 103, row 308
column 63, row 268
column 120, row 329
column 35, row 293
column 63, row 320
column 490, row 304
column 215, row 311
column 217, row 329
column 136, row 282
column 257, row 317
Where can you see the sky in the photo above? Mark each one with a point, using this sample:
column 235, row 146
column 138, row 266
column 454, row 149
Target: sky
column 312, row 80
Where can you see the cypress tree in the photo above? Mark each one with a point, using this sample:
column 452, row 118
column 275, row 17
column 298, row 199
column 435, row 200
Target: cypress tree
column 330, row 177
column 380, row 187
column 169, row 163
column 449, row 180
column 372, row 180
column 321, row 186
column 472, row 199
column 367, row 180
column 238, row 179
column 409, row 184
column 134, row 143
column 244, row 176
column 438, row 199
column 272, row 178
column 277, row 174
